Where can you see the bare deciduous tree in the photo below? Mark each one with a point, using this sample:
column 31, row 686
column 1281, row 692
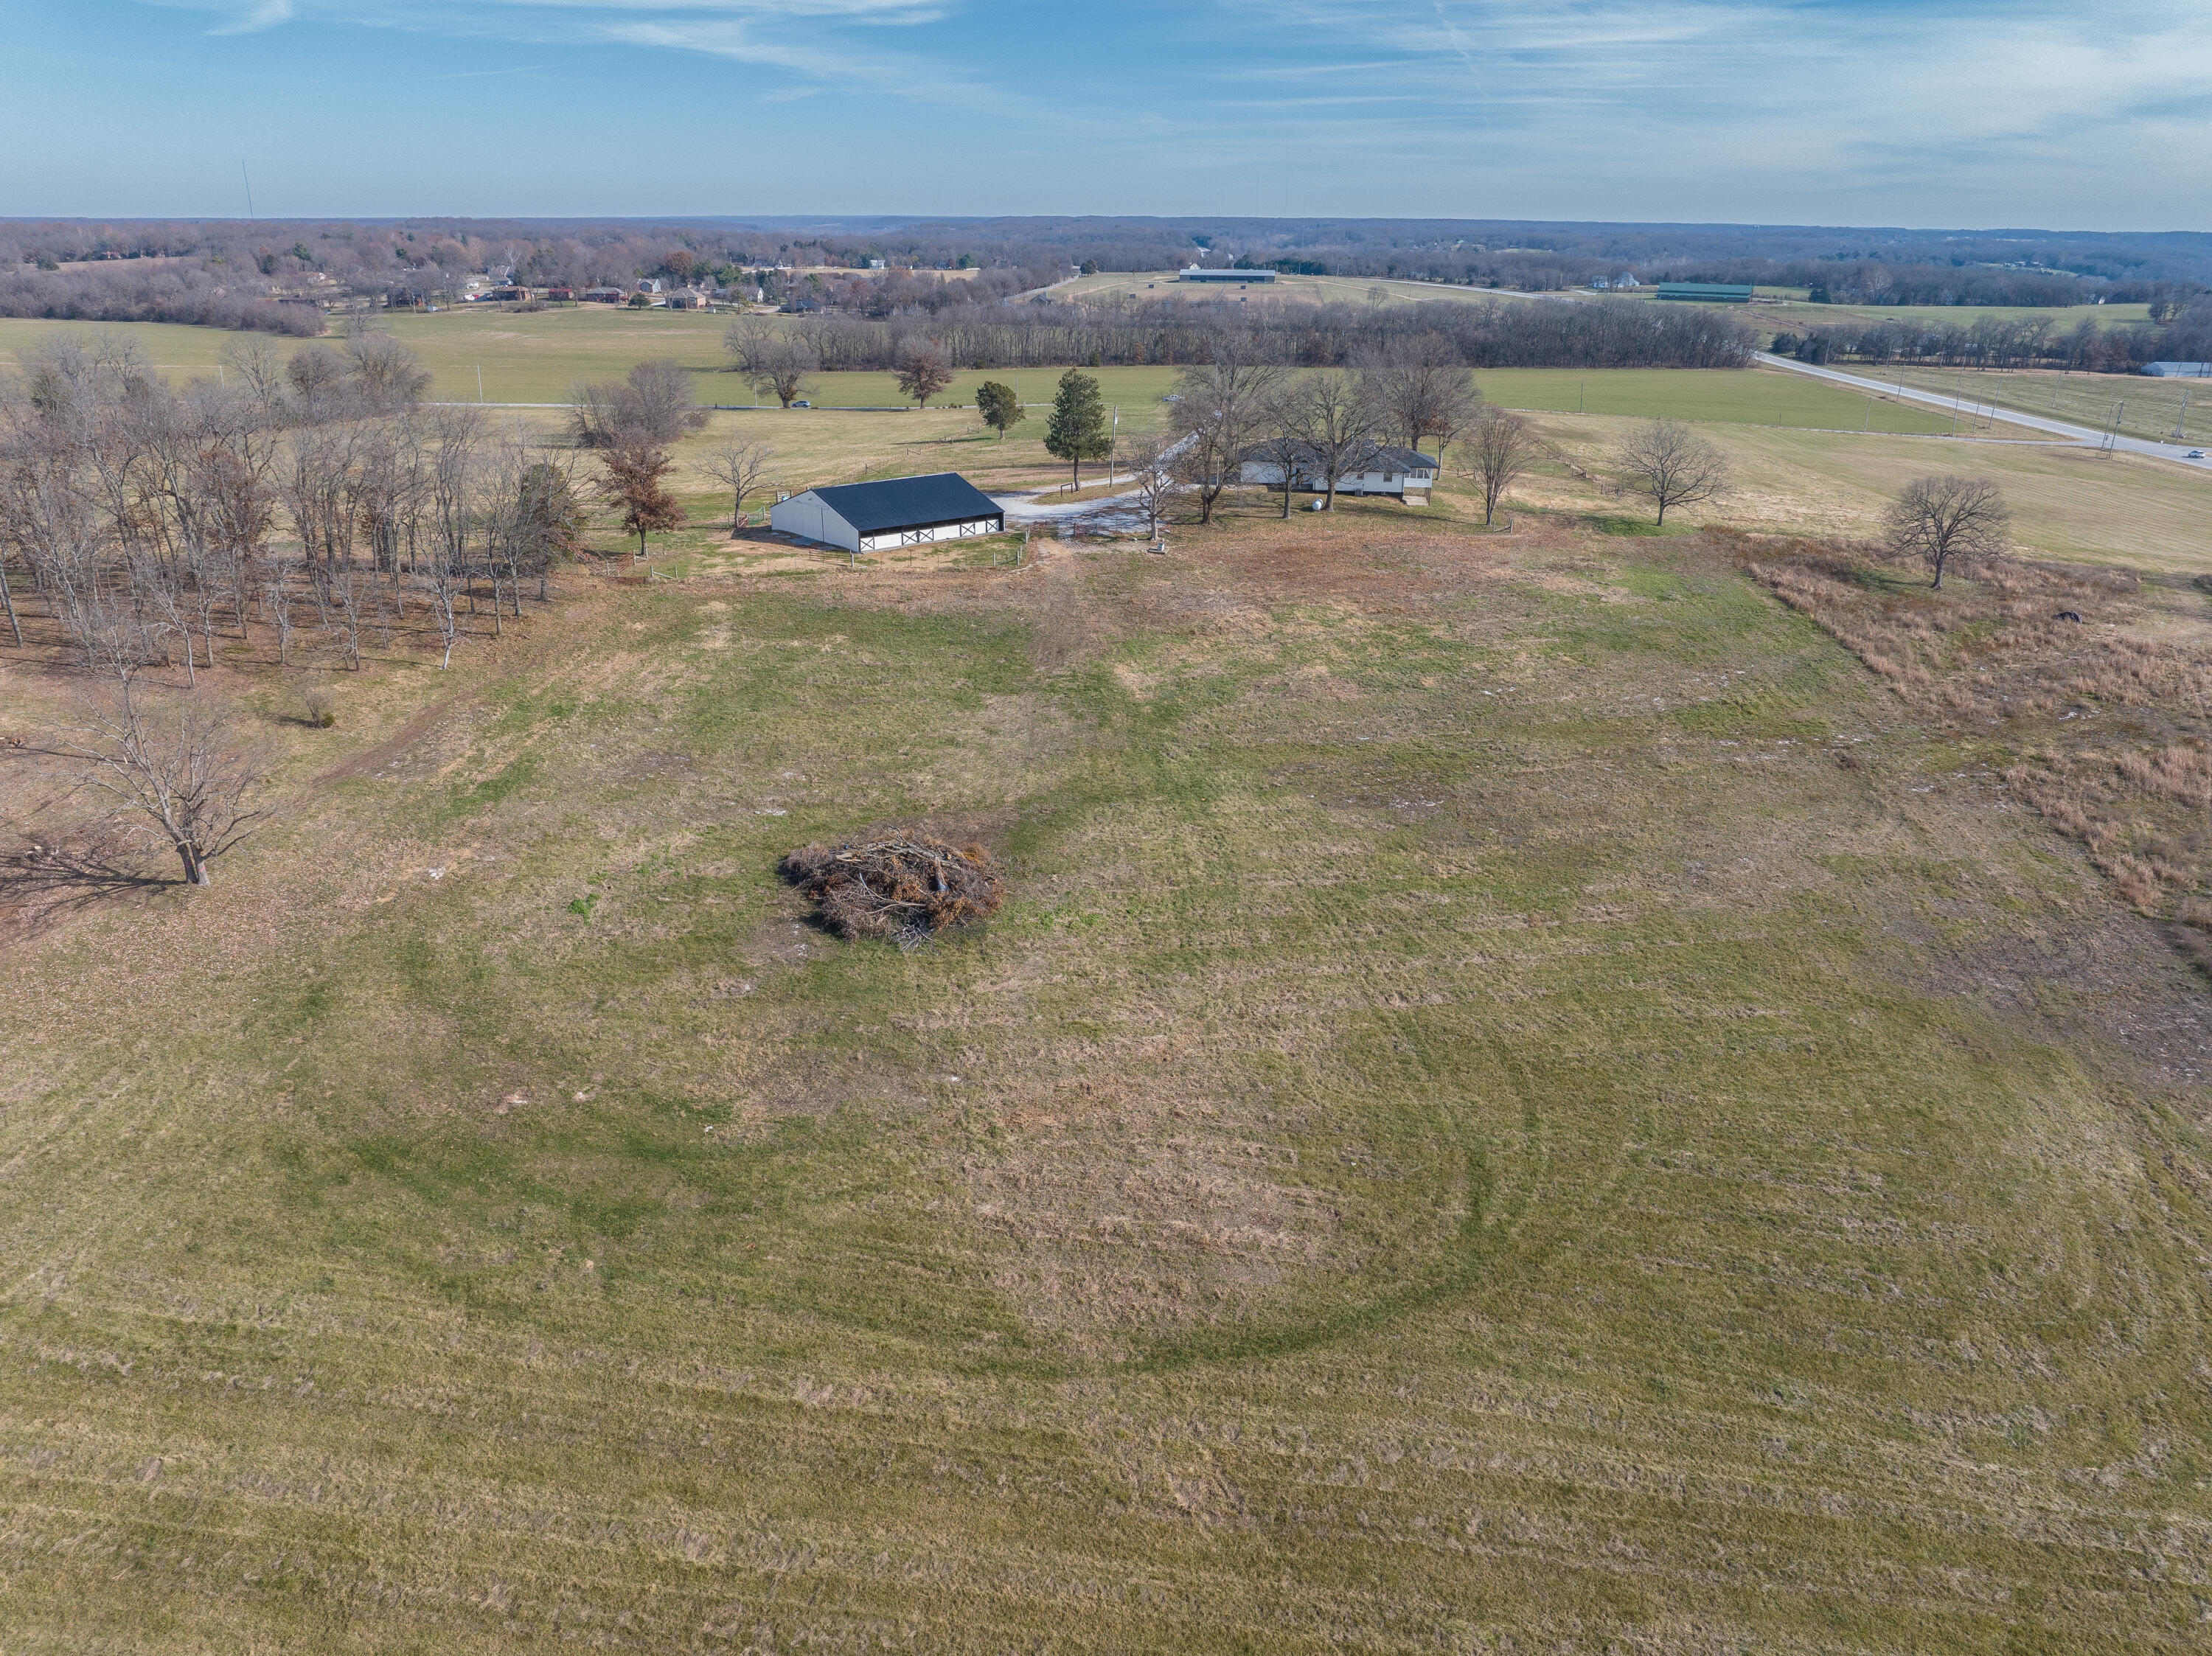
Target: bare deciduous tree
column 1503, row 447
column 771, row 361
column 386, row 375
column 172, row 768
column 1335, row 427
column 318, row 377
column 924, row 369
column 1939, row 518
column 1152, row 472
column 1279, row 439
column 652, row 404
column 1219, row 406
column 1671, row 465
column 740, row 468
column 1419, row 388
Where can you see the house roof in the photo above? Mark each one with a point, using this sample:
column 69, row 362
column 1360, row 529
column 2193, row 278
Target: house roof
column 943, row 497
column 1383, row 456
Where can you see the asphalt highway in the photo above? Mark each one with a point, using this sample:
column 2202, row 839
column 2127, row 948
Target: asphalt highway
column 2175, row 452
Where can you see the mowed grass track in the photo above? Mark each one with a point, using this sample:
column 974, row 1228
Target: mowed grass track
column 1472, row 1130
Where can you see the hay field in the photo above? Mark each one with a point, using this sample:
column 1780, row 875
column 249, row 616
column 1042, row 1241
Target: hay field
column 1476, row 1129
column 2067, row 502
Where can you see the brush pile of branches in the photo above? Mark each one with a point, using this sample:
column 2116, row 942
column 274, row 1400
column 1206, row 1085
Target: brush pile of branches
column 903, row 889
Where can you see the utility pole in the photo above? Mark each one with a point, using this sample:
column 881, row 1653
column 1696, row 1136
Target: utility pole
column 2181, row 422
column 479, row 382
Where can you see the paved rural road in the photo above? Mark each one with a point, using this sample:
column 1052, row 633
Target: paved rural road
column 2011, row 417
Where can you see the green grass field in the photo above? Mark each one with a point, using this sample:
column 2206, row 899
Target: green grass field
column 1795, row 313
column 2147, row 407
column 1473, row 1132
column 536, row 358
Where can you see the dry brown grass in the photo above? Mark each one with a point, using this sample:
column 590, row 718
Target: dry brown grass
column 1993, row 650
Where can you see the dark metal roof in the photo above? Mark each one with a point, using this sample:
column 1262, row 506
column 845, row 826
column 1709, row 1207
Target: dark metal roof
column 943, row 497
column 1738, row 292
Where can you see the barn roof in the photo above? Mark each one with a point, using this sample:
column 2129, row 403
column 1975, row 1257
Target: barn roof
column 943, row 497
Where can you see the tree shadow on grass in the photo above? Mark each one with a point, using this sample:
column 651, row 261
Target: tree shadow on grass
column 43, row 879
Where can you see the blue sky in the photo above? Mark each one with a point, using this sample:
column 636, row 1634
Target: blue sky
column 1950, row 112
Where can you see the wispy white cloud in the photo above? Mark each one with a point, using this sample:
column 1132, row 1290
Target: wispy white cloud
column 1746, row 98
column 1968, row 110
column 813, row 38
column 252, row 14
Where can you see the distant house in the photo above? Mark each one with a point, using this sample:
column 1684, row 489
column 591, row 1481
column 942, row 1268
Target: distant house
column 604, row 295
column 506, row 292
column 1382, row 469
column 561, row 296
column 684, row 300
column 650, row 285
column 1201, row 273
column 896, row 512
column 1711, row 293
column 2178, row 370
column 1625, row 279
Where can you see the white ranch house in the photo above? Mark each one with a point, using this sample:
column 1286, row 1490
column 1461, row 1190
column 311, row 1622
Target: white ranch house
column 896, row 512
column 1384, row 470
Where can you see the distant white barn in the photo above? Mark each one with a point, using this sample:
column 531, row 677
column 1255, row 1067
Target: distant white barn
column 2178, row 370
column 896, row 512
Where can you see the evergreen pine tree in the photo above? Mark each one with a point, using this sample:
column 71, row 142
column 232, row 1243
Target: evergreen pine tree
column 1076, row 430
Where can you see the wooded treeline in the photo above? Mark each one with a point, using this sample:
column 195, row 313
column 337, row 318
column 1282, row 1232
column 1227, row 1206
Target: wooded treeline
column 2009, row 341
column 140, row 291
column 1487, row 334
column 302, row 505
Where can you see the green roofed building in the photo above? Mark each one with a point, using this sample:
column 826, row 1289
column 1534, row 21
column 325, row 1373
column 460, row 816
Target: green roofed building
column 1712, row 293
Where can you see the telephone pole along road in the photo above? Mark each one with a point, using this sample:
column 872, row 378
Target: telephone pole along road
column 2176, row 452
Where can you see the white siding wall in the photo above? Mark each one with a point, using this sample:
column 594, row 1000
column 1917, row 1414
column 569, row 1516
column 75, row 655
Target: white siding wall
column 923, row 537
column 805, row 516
column 1358, row 483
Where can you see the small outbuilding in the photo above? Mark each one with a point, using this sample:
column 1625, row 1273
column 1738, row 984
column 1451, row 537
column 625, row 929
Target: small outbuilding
column 2178, row 370
column 896, row 512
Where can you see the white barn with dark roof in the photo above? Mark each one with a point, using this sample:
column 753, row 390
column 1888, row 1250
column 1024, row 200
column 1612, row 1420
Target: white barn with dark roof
column 896, row 512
